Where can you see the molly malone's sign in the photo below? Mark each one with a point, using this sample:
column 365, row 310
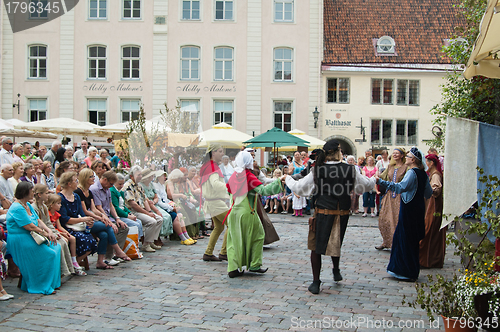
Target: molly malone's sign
column 102, row 88
column 212, row 88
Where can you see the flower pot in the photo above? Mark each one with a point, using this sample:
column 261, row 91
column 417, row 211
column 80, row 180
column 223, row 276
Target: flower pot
column 453, row 325
column 482, row 308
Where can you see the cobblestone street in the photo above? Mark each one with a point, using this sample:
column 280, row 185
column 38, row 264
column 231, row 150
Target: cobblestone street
column 173, row 289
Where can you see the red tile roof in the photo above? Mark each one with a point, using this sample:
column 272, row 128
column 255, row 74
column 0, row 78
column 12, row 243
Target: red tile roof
column 418, row 28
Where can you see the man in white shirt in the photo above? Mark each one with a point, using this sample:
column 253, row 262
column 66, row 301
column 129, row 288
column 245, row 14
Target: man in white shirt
column 382, row 164
column 81, row 154
column 51, row 154
column 5, row 188
column 5, row 155
column 226, row 168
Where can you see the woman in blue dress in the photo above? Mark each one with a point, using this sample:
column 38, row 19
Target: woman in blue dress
column 414, row 189
column 40, row 265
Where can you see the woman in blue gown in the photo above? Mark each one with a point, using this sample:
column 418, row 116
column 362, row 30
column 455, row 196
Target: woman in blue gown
column 414, row 189
column 40, row 265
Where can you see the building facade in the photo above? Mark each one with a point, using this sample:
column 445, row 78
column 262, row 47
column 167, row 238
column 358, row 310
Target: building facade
column 253, row 64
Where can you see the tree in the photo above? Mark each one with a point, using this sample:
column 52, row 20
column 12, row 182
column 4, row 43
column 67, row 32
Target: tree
column 475, row 99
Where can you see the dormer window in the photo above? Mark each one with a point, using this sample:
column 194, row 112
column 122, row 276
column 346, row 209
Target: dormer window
column 385, row 45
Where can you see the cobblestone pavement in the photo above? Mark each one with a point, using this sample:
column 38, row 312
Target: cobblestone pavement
column 173, row 289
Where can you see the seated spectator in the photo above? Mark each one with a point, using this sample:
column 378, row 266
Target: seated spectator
column 40, row 265
column 226, row 168
column 68, row 258
column 194, row 186
column 68, row 155
column 6, row 172
column 103, row 227
column 99, row 168
column 16, row 177
column 102, row 200
column 72, row 214
column 17, row 154
column 47, row 177
column 104, row 154
column 60, row 156
column 92, row 152
column 273, row 200
column 286, row 200
column 29, row 174
column 5, row 155
column 4, row 296
column 118, row 201
column 63, row 167
column 153, row 199
column 117, row 158
column 136, row 202
column 37, row 164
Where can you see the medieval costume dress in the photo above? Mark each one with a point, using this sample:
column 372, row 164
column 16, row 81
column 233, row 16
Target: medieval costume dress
column 414, row 188
column 245, row 239
column 433, row 246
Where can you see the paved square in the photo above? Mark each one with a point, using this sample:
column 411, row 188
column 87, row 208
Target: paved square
column 173, row 289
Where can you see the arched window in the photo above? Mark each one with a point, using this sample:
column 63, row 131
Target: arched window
column 385, row 44
column 97, row 62
column 37, row 61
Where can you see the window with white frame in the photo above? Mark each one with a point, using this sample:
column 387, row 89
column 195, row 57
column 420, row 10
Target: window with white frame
column 130, row 109
column 97, row 62
column 97, row 111
column 283, row 58
column 283, row 115
column 406, row 132
column 223, row 111
column 190, row 61
column 408, row 92
column 337, row 90
column 130, row 62
column 190, row 109
column 132, row 9
column 223, row 64
column 98, row 9
column 37, row 109
column 283, row 10
column 191, row 10
column 381, row 131
column 40, row 9
column 382, row 91
column 224, row 10
column 37, row 59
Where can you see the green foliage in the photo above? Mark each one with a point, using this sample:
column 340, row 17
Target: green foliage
column 440, row 296
column 478, row 98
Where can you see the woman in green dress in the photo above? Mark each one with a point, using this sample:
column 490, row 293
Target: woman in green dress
column 245, row 239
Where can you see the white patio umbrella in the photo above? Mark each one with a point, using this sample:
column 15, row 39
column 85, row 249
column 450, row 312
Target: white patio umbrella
column 314, row 143
column 63, row 126
column 7, row 129
column 223, row 134
column 484, row 59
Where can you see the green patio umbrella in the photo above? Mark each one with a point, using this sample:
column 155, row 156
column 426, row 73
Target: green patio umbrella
column 275, row 138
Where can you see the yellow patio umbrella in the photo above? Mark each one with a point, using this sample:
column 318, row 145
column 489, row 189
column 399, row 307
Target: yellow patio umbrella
column 484, row 59
column 314, row 143
column 224, row 135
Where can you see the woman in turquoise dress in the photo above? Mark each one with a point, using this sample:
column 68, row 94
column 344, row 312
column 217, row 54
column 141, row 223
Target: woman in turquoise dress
column 40, row 265
column 245, row 238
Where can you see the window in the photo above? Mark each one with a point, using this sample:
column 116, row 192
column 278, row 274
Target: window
column 382, row 91
column 190, row 110
column 385, row 45
column 130, row 62
column 98, row 9
column 223, row 112
column 37, row 109
column 130, row 109
column 283, row 10
column 37, row 61
column 39, row 9
column 223, row 64
column 224, row 10
column 407, row 92
column 97, row 62
column 191, row 10
column 283, row 64
column 338, row 90
column 381, row 132
column 97, row 111
column 132, row 9
column 283, row 115
column 406, row 132
column 190, row 58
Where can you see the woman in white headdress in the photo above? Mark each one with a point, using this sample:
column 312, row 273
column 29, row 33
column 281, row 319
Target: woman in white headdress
column 245, row 239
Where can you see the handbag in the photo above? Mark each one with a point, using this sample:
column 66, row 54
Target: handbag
column 39, row 238
column 78, row 227
column 270, row 232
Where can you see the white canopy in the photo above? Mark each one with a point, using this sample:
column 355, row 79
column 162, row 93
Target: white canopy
column 314, row 143
column 63, row 126
column 7, row 129
column 223, row 134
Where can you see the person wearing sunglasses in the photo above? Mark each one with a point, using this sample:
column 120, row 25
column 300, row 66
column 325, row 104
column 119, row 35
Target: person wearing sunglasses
column 414, row 189
column 5, row 153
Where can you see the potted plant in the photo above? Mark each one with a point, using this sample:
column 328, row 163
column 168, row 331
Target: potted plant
column 471, row 298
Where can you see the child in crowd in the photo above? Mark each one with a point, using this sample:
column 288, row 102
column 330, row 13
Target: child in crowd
column 298, row 204
column 54, row 205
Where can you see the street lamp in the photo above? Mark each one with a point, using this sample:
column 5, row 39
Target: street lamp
column 18, row 105
column 316, row 116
